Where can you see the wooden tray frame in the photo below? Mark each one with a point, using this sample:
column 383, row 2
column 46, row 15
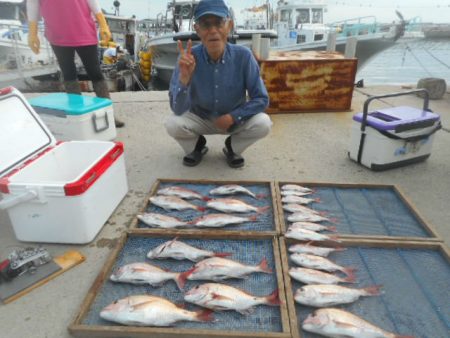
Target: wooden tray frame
column 377, row 243
column 78, row 329
column 221, row 231
column 425, row 224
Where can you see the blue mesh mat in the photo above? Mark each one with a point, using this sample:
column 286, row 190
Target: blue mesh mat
column 416, row 286
column 264, row 222
column 264, row 318
column 367, row 211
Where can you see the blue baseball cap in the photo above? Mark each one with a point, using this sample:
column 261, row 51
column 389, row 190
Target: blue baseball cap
column 212, row 7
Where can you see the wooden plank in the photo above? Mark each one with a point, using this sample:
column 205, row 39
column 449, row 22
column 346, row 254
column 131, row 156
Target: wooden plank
column 66, row 261
column 78, row 329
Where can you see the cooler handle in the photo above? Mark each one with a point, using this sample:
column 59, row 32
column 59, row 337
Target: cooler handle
column 7, row 203
column 366, row 112
column 94, row 122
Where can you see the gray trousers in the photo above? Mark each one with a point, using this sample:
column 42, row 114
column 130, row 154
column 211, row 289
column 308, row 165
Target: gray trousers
column 185, row 129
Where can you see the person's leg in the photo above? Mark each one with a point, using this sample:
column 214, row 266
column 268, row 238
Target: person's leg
column 244, row 136
column 188, row 130
column 66, row 60
column 89, row 58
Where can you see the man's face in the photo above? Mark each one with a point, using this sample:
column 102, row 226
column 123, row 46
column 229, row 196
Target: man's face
column 213, row 31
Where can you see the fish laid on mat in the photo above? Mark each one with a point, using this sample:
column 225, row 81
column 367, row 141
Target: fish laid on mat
column 232, row 189
column 144, row 273
column 143, row 310
column 321, row 295
column 340, row 323
column 320, row 263
column 311, row 226
column 296, row 187
column 307, row 217
column 161, row 221
column 308, row 235
column 287, row 193
column 173, row 203
column 220, row 220
column 311, row 276
column 178, row 250
column 296, row 199
column 216, row 269
column 216, row 296
column 295, row 207
column 313, row 250
column 233, row 205
column 301, row 200
column 181, row 193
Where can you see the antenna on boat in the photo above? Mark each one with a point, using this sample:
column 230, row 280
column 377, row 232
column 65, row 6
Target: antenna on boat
column 116, row 5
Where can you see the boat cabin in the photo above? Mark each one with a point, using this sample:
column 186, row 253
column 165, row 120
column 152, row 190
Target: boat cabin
column 299, row 21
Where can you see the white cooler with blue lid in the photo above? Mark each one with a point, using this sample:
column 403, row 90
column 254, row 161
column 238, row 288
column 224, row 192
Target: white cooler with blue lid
column 55, row 192
column 393, row 137
column 76, row 117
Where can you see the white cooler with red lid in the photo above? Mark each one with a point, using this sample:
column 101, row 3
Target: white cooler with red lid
column 55, row 192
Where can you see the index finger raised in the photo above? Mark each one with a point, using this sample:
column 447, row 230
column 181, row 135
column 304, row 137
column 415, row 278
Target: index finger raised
column 189, row 47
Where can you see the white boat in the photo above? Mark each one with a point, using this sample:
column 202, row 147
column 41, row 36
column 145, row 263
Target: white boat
column 178, row 24
column 300, row 26
column 436, row 31
column 14, row 49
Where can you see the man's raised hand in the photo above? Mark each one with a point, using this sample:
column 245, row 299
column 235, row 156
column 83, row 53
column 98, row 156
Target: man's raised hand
column 186, row 62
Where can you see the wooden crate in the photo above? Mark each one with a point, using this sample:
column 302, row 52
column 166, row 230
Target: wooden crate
column 312, row 81
column 266, row 222
column 96, row 295
column 405, row 228
column 415, row 299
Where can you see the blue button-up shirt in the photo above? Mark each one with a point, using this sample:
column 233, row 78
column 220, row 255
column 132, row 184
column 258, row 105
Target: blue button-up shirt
column 220, row 88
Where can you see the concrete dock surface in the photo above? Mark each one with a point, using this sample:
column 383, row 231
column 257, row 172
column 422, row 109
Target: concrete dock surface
column 307, row 147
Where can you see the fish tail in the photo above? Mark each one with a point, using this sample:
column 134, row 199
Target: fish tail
column 181, row 278
column 202, row 209
column 332, row 228
column 333, row 220
column 222, row 254
column 273, row 299
column 334, row 238
column 322, row 213
column 340, row 248
column 374, row 290
column 350, row 279
column 263, row 267
column 317, row 200
column 252, row 218
column 260, row 196
column 205, row 315
column 263, row 209
column 350, row 272
column 206, row 198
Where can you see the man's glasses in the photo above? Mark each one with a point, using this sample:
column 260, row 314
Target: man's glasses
column 210, row 23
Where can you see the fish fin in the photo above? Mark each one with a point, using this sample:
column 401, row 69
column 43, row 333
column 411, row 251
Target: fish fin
column 220, row 297
column 222, row 254
column 141, row 306
column 340, row 248
column 260, row 196
column 202, row 209
column 138, row 269
column 349, row 279
column 180, row 305
column 333, row 220
column 181, row 278
column 264, row 267
column 206, row 198
column 343, row 324
column 246, row 312
column 332, row 228
column 350, row 272
column 205, row 315
column 374, row 290
column 253, row 218
column 263, row 209
column 273, row 299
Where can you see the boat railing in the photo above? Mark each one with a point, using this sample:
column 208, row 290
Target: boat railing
column 19, row 61
column 356, row 26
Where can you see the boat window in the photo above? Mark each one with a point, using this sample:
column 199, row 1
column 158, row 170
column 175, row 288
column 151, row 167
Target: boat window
column 318, row 37
column 301, row 38
column 302, row 15
column 317, row 15
column 8, row 12
column 285, row 15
